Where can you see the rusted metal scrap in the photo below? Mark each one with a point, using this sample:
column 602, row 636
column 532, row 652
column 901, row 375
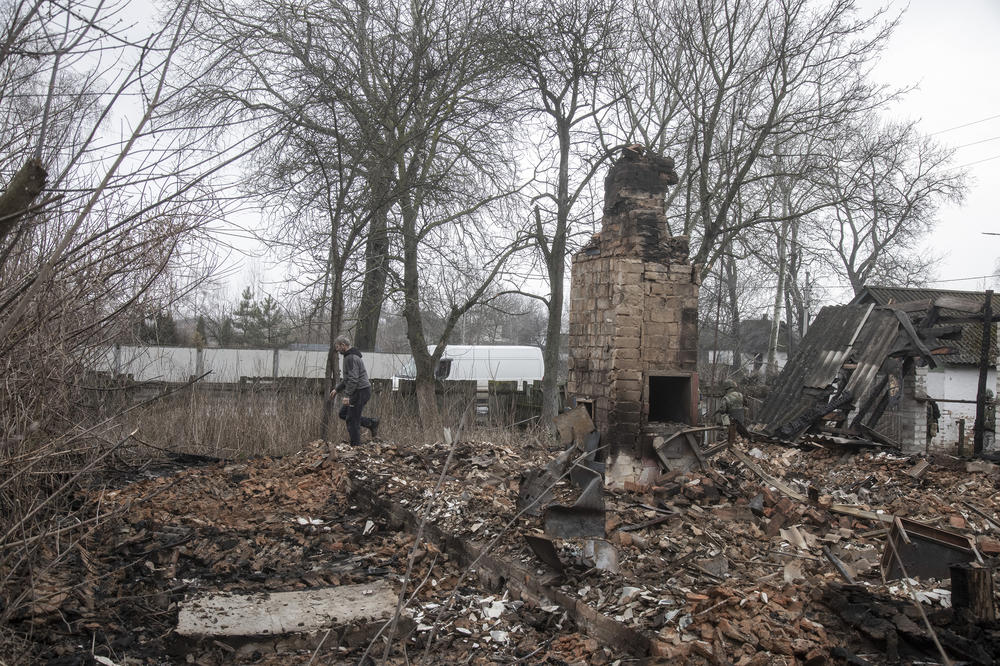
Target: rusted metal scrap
column 923, row 550
column 545, row 550
column 535, row 491
column 585, row 518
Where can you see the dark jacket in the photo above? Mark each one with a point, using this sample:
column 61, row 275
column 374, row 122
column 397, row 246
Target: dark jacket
column 355, row 376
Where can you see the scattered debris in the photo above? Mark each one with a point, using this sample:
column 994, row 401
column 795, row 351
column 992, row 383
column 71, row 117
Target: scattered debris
column 733, row 561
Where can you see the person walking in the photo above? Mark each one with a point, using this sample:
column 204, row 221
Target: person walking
column 355, row 391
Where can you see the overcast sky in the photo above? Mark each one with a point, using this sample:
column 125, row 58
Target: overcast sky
column 951, row 51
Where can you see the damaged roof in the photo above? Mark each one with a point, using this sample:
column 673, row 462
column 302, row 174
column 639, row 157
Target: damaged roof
column 841, row 371
column 830, row 343
column 967, row 346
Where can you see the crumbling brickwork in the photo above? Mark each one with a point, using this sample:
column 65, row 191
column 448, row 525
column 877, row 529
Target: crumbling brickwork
column 634, row 311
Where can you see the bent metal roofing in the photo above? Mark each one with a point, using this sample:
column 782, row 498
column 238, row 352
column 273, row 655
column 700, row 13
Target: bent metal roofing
column 968, row 345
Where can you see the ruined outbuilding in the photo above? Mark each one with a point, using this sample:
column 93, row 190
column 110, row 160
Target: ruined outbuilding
column 862, row 371
column 633, row 328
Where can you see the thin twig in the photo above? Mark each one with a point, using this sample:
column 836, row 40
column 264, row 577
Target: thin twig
column 916, row 602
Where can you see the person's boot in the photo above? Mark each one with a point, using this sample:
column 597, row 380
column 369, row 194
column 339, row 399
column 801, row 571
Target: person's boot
column 374, row 428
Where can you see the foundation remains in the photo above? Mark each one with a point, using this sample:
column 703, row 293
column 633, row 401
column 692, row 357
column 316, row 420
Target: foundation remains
column 633, row 326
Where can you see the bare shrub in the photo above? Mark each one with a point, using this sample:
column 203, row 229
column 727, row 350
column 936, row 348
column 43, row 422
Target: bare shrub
column 99, row 233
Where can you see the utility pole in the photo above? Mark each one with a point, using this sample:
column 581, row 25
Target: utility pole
column 984, row 364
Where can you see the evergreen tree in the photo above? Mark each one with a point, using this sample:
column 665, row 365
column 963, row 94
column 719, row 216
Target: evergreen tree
column 225, row 333
column 200, row 336
column 247, row 320
column 272, row 323
column 157, row 329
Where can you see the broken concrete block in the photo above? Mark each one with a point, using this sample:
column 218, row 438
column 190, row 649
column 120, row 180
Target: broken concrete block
column 573, row 425
column 629, row 594
column 717, row 566
column 918, row 470
column 603, row 554
column 983, row 466
column 275, row 613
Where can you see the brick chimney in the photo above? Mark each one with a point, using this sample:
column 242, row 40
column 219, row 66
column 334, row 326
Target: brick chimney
column 633, row 318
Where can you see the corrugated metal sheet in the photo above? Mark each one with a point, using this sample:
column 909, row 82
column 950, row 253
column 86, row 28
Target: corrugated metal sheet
column 871, row 350
column 816, row 363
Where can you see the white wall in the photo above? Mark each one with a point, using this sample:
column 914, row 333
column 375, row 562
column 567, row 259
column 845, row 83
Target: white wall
column 725, row 357
column 179, row 364
column 954, row 383
column 160, row 364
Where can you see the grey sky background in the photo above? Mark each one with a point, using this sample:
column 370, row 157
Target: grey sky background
column 951, row 51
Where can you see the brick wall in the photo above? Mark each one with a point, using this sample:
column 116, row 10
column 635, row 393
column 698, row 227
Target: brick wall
column 633, row 309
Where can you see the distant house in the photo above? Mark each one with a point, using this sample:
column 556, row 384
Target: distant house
column 953, row 384
column 719, row 348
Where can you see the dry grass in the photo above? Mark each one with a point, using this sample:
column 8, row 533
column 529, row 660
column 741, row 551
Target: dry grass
column 233, row 425
column 228, row 424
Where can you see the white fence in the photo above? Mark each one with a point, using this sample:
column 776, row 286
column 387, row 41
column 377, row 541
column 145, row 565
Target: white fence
column 179, row 364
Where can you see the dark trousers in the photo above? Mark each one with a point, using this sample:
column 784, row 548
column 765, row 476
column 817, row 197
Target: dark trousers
column 352, row 414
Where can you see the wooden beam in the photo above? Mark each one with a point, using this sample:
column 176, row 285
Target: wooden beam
column 904, row 319
column 958, row 303
column 912, row 306
column 942, row 331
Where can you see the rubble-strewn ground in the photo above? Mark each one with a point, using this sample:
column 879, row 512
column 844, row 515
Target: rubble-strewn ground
column 265, row 525
column 725, row 570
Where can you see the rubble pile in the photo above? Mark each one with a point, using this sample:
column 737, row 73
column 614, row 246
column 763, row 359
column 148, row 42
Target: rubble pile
column 763, row 554
column 260, row 526
column 719, row 563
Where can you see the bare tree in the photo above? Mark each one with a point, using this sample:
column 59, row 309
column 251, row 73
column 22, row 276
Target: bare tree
column 410, row 103
column 739, row 81
column 110, row 236
column 885, row 184
column 302, row 77
column 566, row 50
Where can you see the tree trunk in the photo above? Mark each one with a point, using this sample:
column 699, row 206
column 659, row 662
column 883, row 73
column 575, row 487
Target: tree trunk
column 427, row 407
column 376, row 265
column 779, row 297
column 332, row 360
column 429, row 416
column 556, row 265
column 734, row 312
column 550, row 357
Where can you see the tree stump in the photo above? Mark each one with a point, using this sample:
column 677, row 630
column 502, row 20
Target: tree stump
column 972, row 588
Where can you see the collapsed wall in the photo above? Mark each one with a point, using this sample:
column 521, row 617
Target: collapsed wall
column 633, row 321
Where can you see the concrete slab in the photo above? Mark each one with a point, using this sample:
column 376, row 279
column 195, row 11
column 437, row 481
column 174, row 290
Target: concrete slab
column 275, row 613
